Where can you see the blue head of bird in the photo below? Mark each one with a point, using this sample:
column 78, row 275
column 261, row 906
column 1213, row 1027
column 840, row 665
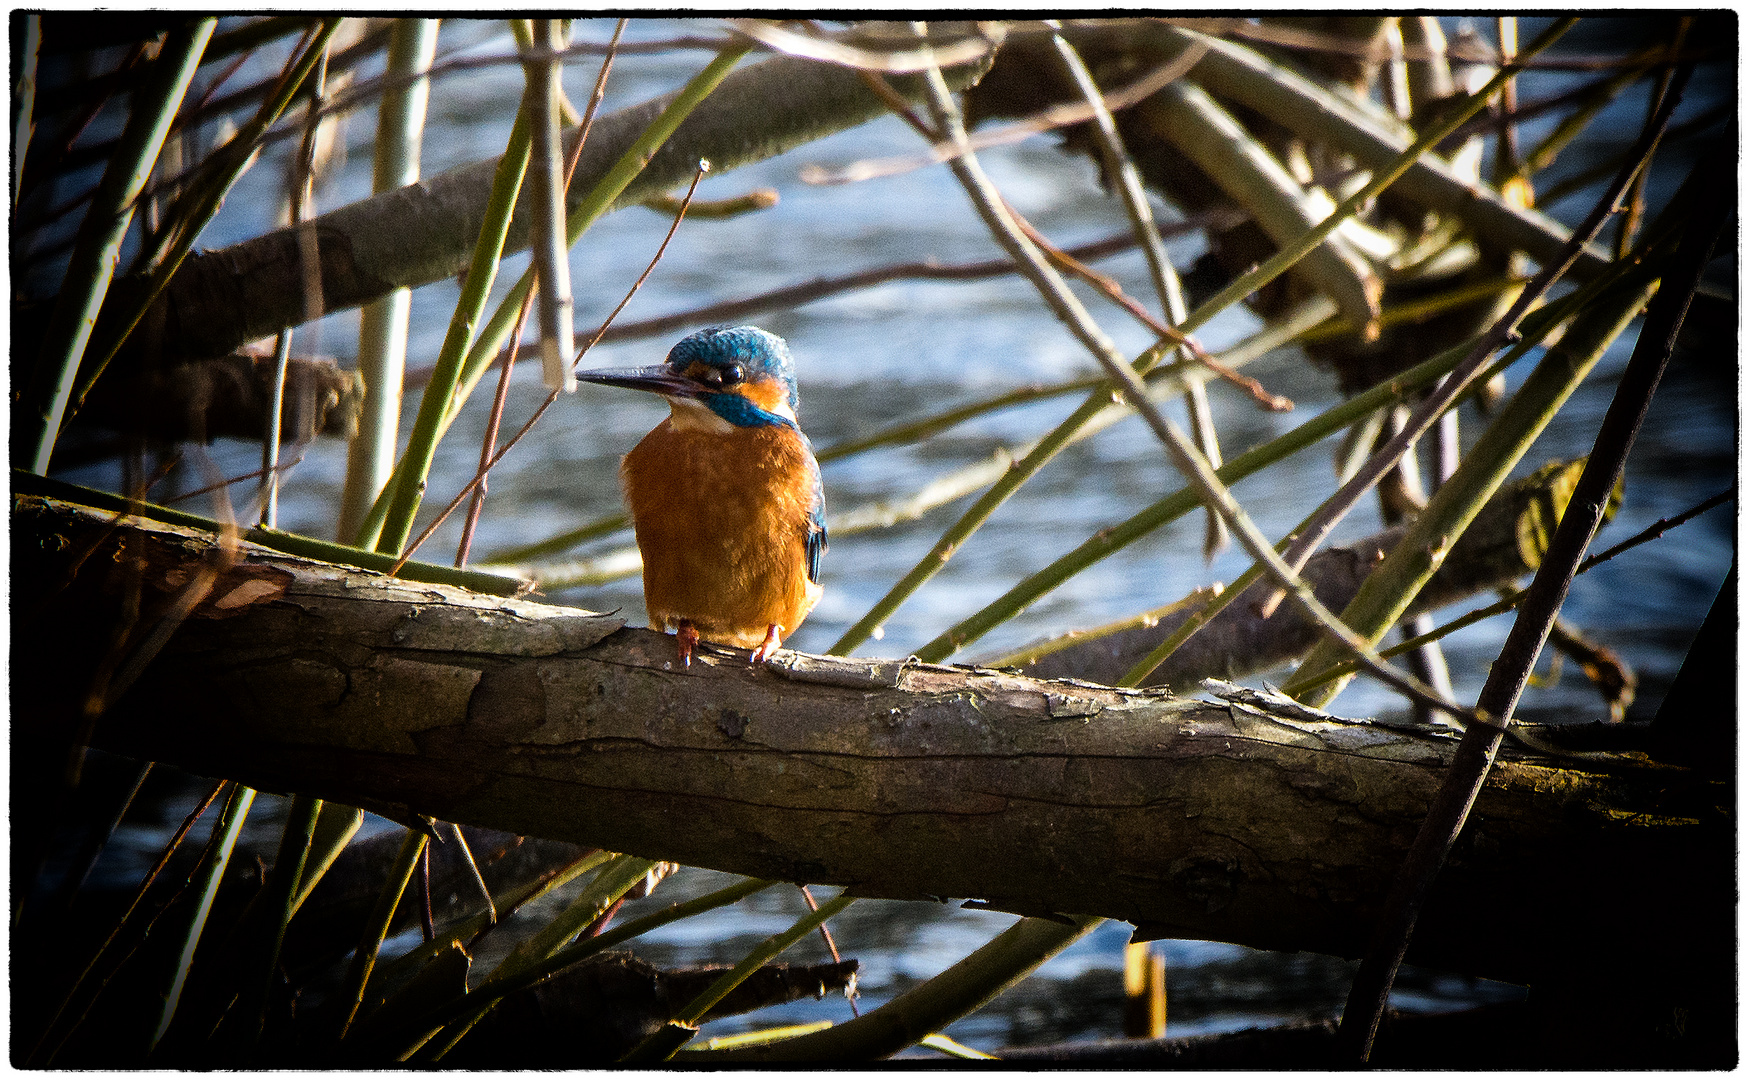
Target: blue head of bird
column 720, row 378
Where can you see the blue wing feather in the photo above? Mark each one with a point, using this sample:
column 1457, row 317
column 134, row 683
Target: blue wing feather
column 816, row 536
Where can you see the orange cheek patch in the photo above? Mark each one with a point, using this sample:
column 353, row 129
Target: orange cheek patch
column 767, row 394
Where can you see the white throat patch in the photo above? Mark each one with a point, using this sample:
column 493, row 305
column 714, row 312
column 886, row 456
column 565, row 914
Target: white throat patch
column 690, row 415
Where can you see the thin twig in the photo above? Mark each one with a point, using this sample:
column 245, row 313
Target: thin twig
column 146, row 882
column 1045, row 448
column 1505, row 681
column 703, row 167
column 479, row 879
column 790, row 296
column 1167, row 332
column 1059, row 116
column 1636, row 197
column 1512, row 597
column 252, row 474
column 303, row 169
column 490, row 442
column 826, row 935
column 1183, row 454
column 1502, row 332
column 897, row 103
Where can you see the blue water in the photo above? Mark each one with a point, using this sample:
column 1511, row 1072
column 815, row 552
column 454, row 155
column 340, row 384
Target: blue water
column 873, row 357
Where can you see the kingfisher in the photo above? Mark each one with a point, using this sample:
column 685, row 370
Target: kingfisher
column 725, row 493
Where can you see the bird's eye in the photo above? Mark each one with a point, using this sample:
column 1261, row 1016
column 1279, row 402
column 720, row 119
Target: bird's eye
column 732, row 374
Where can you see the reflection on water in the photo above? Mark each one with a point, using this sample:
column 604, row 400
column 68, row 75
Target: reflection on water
column 890, row 353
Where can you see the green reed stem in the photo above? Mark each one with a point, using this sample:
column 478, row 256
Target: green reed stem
column 1392, row 586
column 491, row 338
column 960, row 990
column 408, row 485
column 382, row 327
column 212, row 872
column 196, row 208
column 495, row 989
column 26, row 103
column 309, row 547
column 105, row 226
column 1052, row 443
column 334, row 830
column 376, row 929
column 282, row 883
column 416, row 958
column 661, row 1046
column 761, row 1037
column 1513, row 597
column 613, row 881
column 1036, row 651
column 1184, row 500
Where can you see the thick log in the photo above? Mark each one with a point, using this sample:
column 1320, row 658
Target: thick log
column 896, row 779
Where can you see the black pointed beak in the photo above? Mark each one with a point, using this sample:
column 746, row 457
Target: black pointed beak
column 657, row 380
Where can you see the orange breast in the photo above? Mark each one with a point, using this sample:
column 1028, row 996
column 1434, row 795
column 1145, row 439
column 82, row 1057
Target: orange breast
column 722, row 523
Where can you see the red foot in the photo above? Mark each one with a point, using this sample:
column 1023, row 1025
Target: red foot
column 688, row 638
column 770, row 645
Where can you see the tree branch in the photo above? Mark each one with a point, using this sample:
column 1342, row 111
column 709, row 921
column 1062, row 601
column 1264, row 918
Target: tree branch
column 424, row 232
column 893, row 778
